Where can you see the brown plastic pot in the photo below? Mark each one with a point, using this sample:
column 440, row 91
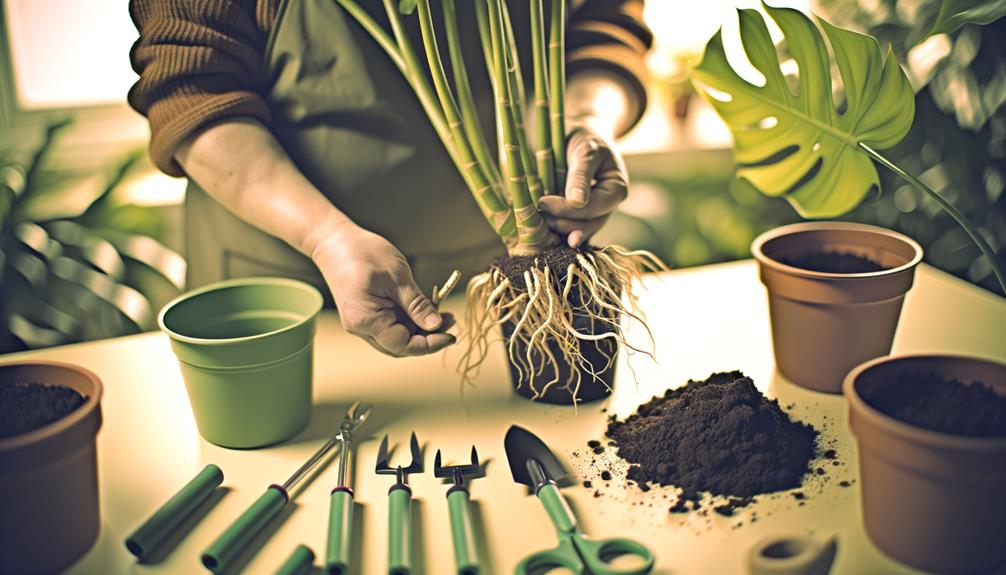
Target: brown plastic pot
column 49, row 477
column 933, row 500
column 824, row 324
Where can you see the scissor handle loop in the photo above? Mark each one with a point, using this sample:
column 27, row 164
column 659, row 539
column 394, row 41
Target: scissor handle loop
column 598, row 554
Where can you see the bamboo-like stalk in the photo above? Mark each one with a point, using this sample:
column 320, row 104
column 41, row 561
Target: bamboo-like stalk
column 485, row 36
column 532, row 233
column 557, row 76
column 504, row 225
column 423, row 93
column 376, row 32
column 515, row 77
column 469, row 112
column 543, row 133
column 483, row 187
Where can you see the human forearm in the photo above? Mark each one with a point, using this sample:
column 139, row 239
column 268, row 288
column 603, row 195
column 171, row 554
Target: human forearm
column 242, row 165
column 245, row 168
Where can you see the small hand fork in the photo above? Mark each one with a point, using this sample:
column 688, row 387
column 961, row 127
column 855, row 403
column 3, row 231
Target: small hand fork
column 399, row 507
column 462, row 531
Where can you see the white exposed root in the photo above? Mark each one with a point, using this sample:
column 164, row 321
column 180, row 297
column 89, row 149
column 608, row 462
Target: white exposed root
column 555, row 316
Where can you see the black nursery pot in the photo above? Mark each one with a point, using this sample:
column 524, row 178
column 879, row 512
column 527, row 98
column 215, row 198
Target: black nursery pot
column 593, row 386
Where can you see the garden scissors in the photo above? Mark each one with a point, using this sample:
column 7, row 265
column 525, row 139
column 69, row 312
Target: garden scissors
column 534, row 465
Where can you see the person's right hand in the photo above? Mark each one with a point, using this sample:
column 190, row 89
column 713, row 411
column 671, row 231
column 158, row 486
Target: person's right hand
column 377, row 297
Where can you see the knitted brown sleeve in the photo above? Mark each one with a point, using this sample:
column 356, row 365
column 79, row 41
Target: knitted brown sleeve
column 199, row 61
column 611, row 34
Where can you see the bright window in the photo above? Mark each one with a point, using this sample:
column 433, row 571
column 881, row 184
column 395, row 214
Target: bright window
column 70, row 53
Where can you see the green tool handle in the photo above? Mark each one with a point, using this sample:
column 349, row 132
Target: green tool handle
column 165, row 520
column 557, row 508
column 340, row 531
column 462, row 532
column 219, row 555
column 400, row 530
column 300, row 562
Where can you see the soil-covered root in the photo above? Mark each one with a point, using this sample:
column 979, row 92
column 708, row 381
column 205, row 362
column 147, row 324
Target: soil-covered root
column 553, row 301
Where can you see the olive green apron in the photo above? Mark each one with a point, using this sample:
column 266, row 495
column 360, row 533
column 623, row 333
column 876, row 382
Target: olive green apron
column 352, row 124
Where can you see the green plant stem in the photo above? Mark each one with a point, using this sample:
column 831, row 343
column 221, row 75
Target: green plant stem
column 543, row 133
column 531, row 231
column 482, row 18
column 961, row 219
column 483, row 188
column 515, row 78
column 469, row 112
column 557, row 92
column 376, row 32
column 413, row 73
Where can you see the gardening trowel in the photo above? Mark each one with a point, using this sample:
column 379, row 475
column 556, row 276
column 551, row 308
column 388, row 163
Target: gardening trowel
column 533, row 464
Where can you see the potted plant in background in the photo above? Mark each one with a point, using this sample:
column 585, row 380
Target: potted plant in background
column 791, row 140
column 76, row 262
column 559, row 308
column 50, row 414
column 931, row 429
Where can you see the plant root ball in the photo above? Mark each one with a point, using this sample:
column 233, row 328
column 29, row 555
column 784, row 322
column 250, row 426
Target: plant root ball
column 550, row 302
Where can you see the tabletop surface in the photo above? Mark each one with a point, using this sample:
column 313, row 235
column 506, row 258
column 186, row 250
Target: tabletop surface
column 706, row 319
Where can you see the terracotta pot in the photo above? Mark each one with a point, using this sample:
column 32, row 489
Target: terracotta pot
column 933, row 500
column 49, row 477
column 824, row 324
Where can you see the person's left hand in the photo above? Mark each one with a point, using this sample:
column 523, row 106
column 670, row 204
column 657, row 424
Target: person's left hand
column 596, row 182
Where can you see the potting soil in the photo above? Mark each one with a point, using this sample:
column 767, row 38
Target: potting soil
column 932, row 402
column 720, row 435
column 26, row 406
column 558, row 258
column 833, row 262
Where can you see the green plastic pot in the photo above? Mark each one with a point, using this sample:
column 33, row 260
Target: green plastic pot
column 245, row 349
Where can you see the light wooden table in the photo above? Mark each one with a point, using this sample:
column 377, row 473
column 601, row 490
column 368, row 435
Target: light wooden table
column 705, row 319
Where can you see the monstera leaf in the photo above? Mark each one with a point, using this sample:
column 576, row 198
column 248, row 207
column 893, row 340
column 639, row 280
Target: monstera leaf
column 797, row 143
column 956, row 13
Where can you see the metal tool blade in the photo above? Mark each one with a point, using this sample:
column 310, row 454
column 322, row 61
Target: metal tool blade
column 384, row 466
column 355, row 416
column 382, row 456
column 522, row 446
column 472, row 468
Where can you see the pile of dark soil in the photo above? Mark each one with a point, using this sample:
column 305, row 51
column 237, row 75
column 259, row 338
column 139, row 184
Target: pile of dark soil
column 833, row 262
column 931, row 402
column 720, row 436
column 27, row 406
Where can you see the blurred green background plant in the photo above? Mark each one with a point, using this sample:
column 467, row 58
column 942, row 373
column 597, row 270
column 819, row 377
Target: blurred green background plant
column 957, row 145
column 76, row 261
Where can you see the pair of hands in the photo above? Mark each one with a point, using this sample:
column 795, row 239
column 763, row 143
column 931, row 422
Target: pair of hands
column 372, row 283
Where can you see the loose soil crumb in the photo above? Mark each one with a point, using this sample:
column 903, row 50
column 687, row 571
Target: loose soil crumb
column 557, row 258
column 727, row 509
column 932, row 402
column 25, row 406
column 606, row 475
column 833, row 262
column 588, row 484
column 720, row 435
